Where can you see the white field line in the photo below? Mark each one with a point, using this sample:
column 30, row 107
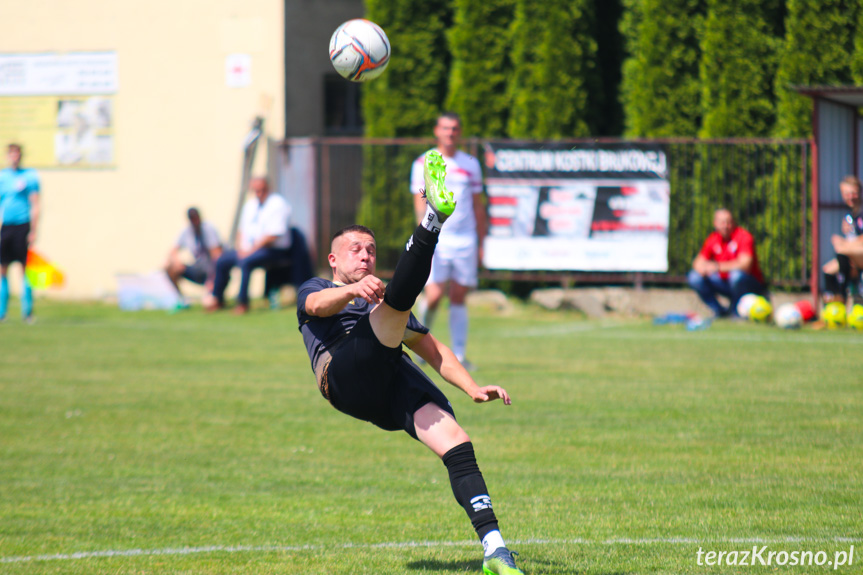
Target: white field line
column 416, row 544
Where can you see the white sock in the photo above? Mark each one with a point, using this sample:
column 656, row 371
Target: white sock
column 426, row 314
column 430, row 220
column 492, row 542
column 458, row 329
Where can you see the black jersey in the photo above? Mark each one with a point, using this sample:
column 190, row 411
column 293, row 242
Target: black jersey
column 322, row 333
column 856, row 221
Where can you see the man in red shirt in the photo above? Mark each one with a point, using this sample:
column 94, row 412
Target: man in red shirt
column 726, row 265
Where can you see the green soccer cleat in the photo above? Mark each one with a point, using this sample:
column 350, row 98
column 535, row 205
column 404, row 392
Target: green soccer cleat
column 501, row 562
column 438, row 197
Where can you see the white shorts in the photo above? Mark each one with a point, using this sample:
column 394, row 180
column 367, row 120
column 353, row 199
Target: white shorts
column 462, row 269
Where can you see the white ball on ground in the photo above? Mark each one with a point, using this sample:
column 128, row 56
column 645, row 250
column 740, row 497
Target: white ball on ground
column 744, row 304
column 787, row 316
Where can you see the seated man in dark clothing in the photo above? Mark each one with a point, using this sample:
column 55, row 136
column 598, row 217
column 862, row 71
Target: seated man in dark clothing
column 843, row 271
column 262, row 240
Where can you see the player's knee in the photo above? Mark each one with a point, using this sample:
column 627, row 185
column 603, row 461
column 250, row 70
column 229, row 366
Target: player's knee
column 458, row 294
column 695, row 279
column 736, row 277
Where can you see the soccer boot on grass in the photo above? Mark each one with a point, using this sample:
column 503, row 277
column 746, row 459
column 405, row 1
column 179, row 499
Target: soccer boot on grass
column 438, row 197
column 501, row 562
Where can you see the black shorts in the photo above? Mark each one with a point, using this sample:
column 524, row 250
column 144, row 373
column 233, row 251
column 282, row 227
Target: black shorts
column 13, row 243
column 378, row 384
column 197, row 272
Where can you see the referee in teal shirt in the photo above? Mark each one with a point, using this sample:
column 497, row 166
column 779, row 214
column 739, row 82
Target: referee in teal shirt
column 19, row 204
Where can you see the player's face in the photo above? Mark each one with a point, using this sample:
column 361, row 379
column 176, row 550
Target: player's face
column 447, row 131
column 14, row 156
column 260, row 188
column 354, row 257
column 723, row 223
column 850, row 195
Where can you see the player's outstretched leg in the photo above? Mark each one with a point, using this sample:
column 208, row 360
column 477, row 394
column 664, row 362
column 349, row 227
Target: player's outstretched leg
column 437, row 196
column 468, row 487
column 414, row 265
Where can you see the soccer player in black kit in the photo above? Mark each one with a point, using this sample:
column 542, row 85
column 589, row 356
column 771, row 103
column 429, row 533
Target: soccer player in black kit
column 354, row 329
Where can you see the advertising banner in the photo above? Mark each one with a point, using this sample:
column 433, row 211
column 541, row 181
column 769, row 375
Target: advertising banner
column 584, row 207
column 59, row 107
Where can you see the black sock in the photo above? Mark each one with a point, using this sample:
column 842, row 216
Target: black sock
column 831, row 284
column 844, row 274
column 412, row 270
column 469, row 488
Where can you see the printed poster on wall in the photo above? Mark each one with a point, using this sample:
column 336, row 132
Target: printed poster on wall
column 59, row 107
column 584, row 207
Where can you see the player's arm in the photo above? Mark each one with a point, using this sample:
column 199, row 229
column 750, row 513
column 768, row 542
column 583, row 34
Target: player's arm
column 443, row 360
column 35, row 210
column 852, row 247
column 173, row 255
column 703, row 266
column 330, row 301
column 263, row 242
column 419, row 207
column 742, row 262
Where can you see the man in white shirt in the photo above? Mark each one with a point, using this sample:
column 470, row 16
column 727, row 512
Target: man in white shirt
column 201, row 240
column 459, row 249
column 263, row 239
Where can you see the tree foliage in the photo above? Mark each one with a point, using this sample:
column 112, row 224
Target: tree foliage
column 740, row 47
column 406, row 100
column 661, row 91
column 481, row 65
column 553, row 69
column 818, row 48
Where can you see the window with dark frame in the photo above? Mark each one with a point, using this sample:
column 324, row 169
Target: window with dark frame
column 342, row 113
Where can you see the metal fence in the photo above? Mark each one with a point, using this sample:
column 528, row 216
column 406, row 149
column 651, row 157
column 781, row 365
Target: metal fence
column 765, row 183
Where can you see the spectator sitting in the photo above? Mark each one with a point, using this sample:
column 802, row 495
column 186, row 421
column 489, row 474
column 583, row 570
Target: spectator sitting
column 201, row 240
column 726, row 265
column 843, row 271
column 263, row 239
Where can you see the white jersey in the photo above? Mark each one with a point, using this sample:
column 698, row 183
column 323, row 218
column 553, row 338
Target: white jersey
column 270, row 219
column 199, row 246
column 464, row 180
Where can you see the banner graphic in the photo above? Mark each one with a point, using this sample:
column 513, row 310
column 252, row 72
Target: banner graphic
column 588, row 207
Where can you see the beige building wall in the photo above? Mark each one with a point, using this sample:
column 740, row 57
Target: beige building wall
column 178, row 127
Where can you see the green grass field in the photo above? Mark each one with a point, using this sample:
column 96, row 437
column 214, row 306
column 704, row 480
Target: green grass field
column 189, row 443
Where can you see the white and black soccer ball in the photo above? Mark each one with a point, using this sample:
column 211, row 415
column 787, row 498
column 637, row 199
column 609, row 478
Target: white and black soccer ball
column 744, row 304
column 787, row 316
column 359, row 50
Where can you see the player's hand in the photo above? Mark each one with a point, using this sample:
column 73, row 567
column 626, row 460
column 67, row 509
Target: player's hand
column 490, row 393
column 839, row 243
column 369, row 288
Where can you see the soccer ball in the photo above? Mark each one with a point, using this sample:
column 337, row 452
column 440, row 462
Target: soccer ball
column 745, row 303
column 789, row 317
column 855, row 317
column 807, row 311
column 760, row 310
column 359, row 50
column 833, row 315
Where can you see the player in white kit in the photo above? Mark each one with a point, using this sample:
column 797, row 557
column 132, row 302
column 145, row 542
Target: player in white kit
column 459, row 248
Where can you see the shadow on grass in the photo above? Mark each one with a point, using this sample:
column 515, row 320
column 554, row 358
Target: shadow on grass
column 434, row 565
column 536, row 566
